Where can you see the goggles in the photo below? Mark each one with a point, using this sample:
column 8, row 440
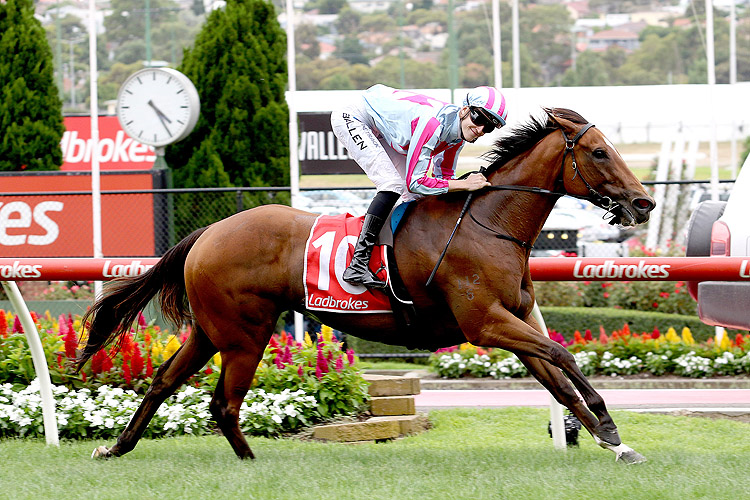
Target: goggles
column 482, row 119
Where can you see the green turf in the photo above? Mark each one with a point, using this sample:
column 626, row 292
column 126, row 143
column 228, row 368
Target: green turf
column 469, row 454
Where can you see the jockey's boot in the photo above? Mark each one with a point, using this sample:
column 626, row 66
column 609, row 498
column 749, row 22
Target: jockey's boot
column 358, row 272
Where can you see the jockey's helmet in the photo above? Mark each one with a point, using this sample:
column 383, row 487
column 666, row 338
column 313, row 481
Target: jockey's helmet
column 491, row 100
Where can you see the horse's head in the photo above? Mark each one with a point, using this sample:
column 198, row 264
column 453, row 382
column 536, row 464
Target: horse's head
column 593, row 169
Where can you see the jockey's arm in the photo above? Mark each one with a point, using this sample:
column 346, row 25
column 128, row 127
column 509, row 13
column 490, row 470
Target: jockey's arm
column 473, row 182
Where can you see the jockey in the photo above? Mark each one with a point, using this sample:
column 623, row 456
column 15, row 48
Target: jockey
column 396, row 136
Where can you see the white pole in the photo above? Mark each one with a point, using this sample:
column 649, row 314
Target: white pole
column 299, row 329
column 555, row 408
column 516, row 49
column 96, row 195
column 496, row 48
column 732, row 81
column 710, row 66
column 732, row 44
column 39, row 360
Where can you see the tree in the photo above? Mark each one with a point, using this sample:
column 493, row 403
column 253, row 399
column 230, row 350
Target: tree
column 31, row 124
column 350, row 49
column 590, row 70
column 238, row 65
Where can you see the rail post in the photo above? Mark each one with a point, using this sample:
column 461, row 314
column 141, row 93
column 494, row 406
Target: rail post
column 39, row 360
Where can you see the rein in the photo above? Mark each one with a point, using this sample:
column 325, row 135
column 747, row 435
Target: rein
column 594, row 197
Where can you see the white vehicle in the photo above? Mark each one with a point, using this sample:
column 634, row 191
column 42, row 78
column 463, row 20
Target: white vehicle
column 720, row 228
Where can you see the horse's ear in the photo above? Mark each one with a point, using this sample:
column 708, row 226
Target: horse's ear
column 557, row 119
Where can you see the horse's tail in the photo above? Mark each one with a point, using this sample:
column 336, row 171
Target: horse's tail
column 113, row 314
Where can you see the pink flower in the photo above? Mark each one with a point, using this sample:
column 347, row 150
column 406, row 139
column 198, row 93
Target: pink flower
column 300, row 371
column 350, row 356
column 339, row 364
column 17, row 328
column 142, row 320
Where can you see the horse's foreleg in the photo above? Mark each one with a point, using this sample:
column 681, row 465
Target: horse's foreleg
column 506, row 331
column 558, row 385
column 188, row 359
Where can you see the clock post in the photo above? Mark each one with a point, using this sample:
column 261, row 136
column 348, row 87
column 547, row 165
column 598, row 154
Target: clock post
column 159, row 107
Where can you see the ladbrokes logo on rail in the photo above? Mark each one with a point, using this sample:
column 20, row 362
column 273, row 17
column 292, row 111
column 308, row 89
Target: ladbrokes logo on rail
column 610, row 270
column 18, row 270
column 133, row 269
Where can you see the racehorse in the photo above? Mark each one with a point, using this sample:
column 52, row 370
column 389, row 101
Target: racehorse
column 235, row 277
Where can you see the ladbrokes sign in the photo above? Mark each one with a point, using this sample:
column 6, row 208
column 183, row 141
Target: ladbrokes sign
column 61, row 225
column 58, row 223
column 117, row 151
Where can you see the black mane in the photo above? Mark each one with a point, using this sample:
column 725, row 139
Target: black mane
column 523, row 137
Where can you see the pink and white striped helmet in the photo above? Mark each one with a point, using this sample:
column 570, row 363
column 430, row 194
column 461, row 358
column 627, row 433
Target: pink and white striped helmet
column 490, row 99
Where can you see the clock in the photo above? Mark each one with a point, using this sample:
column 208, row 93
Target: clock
column 158, row 106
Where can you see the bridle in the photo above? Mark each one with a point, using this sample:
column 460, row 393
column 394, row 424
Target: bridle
column 594, row 196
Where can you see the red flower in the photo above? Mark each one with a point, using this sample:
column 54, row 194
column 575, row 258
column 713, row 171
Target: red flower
column 149, row 365
column 739, row 340
column 96, row 362
column 587, row 335
column 339, row 364
column 3, row 324
column 71, row 343
column 655, row 304
column 17, row 328
column 106, row 361
column 300, row 371
column 136, row 361
column 126, row 372
column 655, row 334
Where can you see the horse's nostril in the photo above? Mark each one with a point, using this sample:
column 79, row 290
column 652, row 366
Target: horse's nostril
column 643, row 204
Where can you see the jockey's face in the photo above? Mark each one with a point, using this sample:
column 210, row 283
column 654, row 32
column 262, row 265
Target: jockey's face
column 470, row 131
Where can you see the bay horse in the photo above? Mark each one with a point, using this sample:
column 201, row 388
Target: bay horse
column 235, row 277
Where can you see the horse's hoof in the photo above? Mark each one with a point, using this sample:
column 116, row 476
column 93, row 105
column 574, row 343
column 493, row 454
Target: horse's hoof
column 101, row 452
column 630, row 457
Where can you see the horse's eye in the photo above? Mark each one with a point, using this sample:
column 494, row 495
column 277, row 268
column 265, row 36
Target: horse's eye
column 600, row 154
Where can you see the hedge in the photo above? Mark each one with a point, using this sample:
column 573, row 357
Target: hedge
column 567, row 320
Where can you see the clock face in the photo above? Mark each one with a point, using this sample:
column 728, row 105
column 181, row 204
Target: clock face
column 158, row 106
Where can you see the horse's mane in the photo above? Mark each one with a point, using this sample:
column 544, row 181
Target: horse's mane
column 522, row 137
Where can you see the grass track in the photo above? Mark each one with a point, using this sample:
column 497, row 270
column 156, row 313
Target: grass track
column 470, row 454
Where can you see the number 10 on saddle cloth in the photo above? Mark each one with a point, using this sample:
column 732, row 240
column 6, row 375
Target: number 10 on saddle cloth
column 327, row 253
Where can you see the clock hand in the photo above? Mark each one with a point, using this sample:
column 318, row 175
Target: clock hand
column 158, row 111
column 162, row 117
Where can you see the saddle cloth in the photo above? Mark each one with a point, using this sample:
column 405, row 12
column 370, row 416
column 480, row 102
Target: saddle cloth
column 328, row 251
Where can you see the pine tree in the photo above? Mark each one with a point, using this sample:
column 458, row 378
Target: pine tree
column 238, row 65
column 31, row 124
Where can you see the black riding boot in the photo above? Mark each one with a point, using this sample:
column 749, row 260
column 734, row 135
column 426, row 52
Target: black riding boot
column 358, row 272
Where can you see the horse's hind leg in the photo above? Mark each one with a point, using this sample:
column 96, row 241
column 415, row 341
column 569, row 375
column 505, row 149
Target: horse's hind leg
column 237, row 372
column 189, row 358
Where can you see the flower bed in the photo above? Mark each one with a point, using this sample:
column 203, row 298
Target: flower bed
column 620, row 353
column 296, row 384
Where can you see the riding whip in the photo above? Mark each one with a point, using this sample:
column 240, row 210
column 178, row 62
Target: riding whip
column 460, row 217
